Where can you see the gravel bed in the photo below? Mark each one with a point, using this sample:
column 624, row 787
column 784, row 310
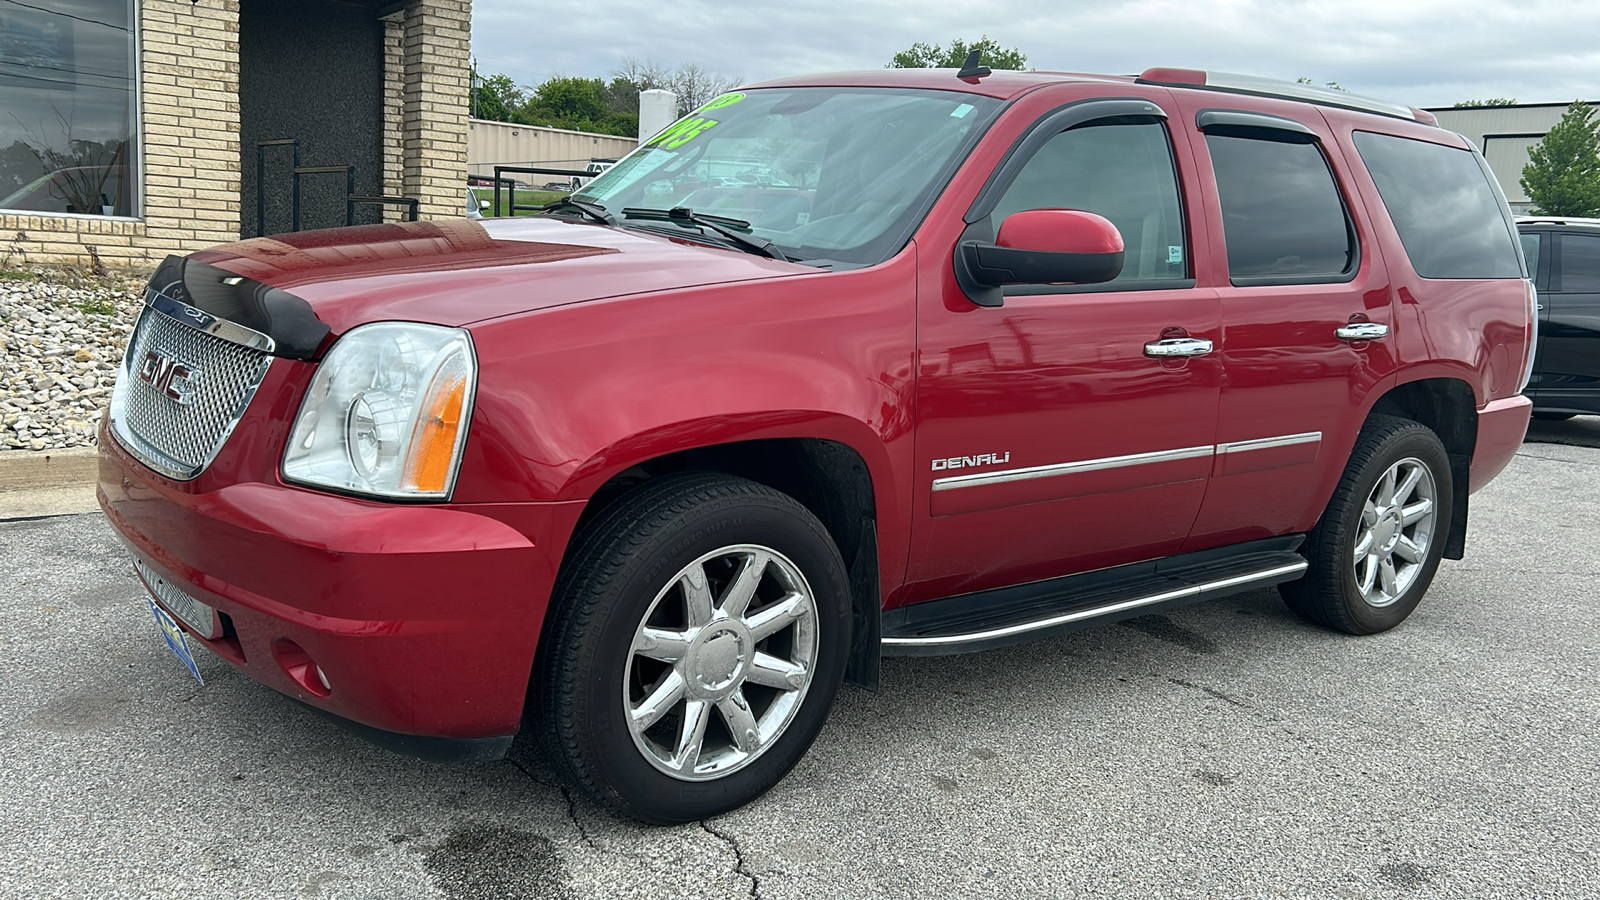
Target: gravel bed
column 62, row 336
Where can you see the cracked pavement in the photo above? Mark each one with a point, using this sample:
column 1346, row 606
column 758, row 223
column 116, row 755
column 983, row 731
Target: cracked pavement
column 1221, row 750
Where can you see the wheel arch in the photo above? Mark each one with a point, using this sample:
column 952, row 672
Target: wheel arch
column 1448, row 407
column 830, row 478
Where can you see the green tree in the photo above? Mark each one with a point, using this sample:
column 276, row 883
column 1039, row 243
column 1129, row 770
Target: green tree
column 1492, row 101
column 929, row 56
column 1562, row 177
column 495, row 97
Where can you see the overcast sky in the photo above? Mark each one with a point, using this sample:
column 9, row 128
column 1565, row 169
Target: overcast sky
column 1416, row 52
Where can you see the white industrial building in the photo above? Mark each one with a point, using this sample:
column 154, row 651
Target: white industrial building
column 1505, row 134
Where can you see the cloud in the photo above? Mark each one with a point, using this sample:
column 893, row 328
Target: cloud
column 1418, row 52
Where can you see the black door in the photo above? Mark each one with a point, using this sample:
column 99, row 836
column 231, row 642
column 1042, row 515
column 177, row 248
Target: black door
column 1567, row 373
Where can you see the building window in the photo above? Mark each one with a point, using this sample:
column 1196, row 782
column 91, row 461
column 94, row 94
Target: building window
column 67, row 101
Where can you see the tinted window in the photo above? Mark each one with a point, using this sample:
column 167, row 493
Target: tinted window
column 1440, row 199
column 1281, row 212
column 1580, row 263
column 1530, row 252
column 1122, row 172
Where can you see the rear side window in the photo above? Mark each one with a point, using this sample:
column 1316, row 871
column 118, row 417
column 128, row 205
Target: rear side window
column 1282, row 216
column 1441, row 202
column 1121, row 171
column 1530, row 252
column 1580, row 264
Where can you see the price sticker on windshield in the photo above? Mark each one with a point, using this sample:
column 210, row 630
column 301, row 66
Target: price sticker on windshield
column 687, row 129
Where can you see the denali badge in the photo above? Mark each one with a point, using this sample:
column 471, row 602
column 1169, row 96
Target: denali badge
column 168, row 376
column 967, row 462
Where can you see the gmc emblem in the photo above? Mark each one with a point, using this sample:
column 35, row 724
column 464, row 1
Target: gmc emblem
column 169, row 377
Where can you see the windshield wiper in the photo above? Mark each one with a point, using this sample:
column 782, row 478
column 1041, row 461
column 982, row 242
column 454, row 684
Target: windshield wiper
column 593, row 210
column 722, row 225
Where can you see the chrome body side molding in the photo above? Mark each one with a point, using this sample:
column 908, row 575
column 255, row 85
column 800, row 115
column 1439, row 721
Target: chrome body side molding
column 977, row 479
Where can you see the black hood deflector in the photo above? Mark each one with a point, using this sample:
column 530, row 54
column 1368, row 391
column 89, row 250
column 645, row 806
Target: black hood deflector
column 288, row 320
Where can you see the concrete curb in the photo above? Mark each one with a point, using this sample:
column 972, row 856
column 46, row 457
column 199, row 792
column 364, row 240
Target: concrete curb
column 28, row 469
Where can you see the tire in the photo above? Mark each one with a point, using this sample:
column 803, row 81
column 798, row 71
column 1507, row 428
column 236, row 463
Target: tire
column 1553, row 416
column 657, row 693
column 1376, row 589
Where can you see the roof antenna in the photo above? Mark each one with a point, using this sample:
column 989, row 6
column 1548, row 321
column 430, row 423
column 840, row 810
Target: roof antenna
column 971, row 69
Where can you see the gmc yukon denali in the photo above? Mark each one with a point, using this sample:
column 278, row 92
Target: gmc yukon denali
column 882, row 363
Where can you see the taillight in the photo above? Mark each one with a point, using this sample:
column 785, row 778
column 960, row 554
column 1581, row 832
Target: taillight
column 1533, row 336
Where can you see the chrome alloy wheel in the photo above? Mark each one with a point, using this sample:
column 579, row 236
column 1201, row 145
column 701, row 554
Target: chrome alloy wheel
column 721, row 662
column 1397, row 525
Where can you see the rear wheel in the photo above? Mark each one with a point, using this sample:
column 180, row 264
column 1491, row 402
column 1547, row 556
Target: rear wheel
column 1376, row 548
column 696, row 643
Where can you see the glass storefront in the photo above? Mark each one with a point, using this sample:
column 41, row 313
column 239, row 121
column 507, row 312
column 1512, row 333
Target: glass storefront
column 68, row 140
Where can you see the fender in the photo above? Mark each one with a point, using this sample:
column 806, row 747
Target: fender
column 571, row 396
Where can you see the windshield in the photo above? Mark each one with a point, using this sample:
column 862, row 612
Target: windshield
column 836, row 175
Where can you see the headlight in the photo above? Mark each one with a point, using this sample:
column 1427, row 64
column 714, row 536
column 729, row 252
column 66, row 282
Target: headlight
column 386, row 413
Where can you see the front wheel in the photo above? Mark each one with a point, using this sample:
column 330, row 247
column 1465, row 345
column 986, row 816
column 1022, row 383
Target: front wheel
column 1375, row 549
column 697, row 640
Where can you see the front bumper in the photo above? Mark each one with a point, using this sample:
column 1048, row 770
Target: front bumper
column 423, row 619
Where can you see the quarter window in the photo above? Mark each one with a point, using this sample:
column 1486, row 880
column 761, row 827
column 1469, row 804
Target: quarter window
column 1282, row 216
column 1580, row 264
column 1122, row 172
column 1448, row 214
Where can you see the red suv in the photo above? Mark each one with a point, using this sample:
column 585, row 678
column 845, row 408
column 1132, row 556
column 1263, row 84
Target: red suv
column 639, row 482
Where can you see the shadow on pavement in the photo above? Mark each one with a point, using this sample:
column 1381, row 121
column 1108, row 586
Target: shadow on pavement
column 1582, row 431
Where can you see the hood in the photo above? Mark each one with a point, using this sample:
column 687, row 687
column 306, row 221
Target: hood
column 454, row 272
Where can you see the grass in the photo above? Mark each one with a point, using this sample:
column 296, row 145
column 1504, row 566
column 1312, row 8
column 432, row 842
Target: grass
column 524, row 199
column 97, row 307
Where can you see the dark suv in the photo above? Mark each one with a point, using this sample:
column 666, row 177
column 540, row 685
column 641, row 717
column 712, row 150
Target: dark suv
column 1564, row 261
column 638, row 483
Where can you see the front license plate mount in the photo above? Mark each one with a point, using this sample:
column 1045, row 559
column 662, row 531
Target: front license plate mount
column 173, row 634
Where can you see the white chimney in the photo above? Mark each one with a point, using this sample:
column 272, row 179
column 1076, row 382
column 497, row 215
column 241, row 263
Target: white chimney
column 657, row 110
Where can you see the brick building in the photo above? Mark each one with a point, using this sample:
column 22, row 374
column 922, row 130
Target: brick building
column 129, row 129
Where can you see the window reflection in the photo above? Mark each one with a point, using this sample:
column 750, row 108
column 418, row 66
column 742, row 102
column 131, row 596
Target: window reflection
column 67, row 141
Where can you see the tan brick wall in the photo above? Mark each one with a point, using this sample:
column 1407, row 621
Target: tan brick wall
column 189, row 118
column 189, row 127
column 438, row 35
column 394, row 84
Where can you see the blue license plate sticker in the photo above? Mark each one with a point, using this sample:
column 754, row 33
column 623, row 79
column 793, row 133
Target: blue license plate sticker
column 175, row 638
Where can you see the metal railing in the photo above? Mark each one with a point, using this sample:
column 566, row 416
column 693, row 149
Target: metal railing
column 514, row 208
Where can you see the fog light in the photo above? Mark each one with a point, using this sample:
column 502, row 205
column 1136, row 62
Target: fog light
column 301, row 669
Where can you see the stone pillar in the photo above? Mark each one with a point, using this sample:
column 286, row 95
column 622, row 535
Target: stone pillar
column 438, row 34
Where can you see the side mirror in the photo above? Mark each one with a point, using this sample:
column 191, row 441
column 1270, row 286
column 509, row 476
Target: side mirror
column 1040, row 246
column 483, row 204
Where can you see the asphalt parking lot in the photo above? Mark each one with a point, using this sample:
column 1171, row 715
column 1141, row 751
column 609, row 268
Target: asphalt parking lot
column 1223, row 750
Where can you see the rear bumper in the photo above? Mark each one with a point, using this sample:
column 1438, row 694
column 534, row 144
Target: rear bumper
column 1502, row 425
column 423, row 620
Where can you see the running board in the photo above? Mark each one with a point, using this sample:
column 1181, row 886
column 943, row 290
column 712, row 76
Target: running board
column 1008, row 615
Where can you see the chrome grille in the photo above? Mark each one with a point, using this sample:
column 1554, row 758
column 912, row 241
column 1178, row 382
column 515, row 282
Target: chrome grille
column 178, row 427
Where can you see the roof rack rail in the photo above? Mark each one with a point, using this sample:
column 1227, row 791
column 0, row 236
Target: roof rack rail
column 1229, row 82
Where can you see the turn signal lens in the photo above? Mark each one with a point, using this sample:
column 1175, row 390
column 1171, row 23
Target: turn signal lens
column 437, row 434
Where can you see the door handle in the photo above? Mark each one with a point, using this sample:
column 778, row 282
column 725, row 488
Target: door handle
column 1362, row 331
column 1168, row 348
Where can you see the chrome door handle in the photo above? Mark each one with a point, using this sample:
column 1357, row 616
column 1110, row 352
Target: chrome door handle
column 1167, row 348
column 1362, row 331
